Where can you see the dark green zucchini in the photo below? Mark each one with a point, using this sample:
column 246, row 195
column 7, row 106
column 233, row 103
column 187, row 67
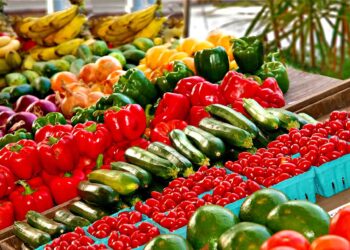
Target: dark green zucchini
column 210, row 145
column 96, row 193
column 233, row 117
column 41, row 222
column 154, row 164
column 306, row 119
column 29, row 235
column 143, row 175
column 70, row 220
column 230, row 134
column 261, row 140
column 169, row 153
column 87, row 211
column 287, row 119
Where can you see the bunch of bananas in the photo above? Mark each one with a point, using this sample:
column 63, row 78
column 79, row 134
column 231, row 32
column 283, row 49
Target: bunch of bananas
column 53, row 29
column 9, row 57
column 120, row 30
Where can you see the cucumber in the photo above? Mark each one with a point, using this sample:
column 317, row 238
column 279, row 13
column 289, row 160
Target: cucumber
column 287, row 119
column 304, row 119
column 210, row 145
column 232, row 135
column 182, row 144
column 144, row 176
column 154, row 164
column 169, row 153
column 70, row 220
column 86, row 211
column 96, row 194
column 122, row 182
column 233, row 117
column 45, row 224
column 260, row 115
column 30, row 235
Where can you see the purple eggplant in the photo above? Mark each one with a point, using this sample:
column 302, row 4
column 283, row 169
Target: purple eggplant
column 41, row 108
column 20, row 120
column 23, row 102
column 5, row 108
column 4, row 115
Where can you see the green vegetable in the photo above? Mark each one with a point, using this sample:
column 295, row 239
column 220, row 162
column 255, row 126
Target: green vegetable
column 83, row 115
column 128, row 66
column 87, row 211
column 70, row 220
column 30, row 235
column 248, row 53
column 144, row 176
column 113, row 100
column 53, row 118
column 134, row 56
column 287, row 119
column 232, row 135
column 154, row 164
column 97, row 194
column 276, row 70
column 212, row 64
column 45, row 224
column 15, row 137
column 122, row 182
column 18, row 91
column 305, row 119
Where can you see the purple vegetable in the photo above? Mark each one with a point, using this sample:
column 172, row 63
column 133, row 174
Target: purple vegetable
column 4, row 115
column 23, row 102
column 51, row 98
column 20, row 120
column 41, row 108
column 4, row 108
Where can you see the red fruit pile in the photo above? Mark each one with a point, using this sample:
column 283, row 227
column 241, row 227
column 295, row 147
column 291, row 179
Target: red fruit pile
column 104, row 227
column 130, row 236
column 74, row 241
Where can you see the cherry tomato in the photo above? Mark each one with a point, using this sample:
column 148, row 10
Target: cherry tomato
column 330, row 242
column 252, row 186
column 127, row 229
column 340, row 223
column 286, row 238
column 135, row 217
column 282, row 177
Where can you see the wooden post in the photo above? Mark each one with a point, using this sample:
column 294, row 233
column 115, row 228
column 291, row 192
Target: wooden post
column 187, row 17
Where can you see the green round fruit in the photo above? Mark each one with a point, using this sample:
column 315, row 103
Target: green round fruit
column 143, row 43
column 134, row 56
column 244, row 235
column 258, row 205
column 119, row 56
column 42, row 86
column 30, row 75
column 126, row 47
column 69, row 58
column 302, row 216
column 168, row 242
column 207, row 224
column 99, row 48
column 50, row 69
column 18, row 91
column 15, row 79
column 61, row 65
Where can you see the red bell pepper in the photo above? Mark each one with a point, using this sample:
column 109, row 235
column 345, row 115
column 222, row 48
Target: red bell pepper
column 21, row 158
column 161, row 130
column 235, row 86
column 238, row 106
column 185, row 85
column 340, row 223
column 140, row 142
column 58, row 154
column 91, row 138
column 30, row 197
column 271, row 93
column 85, row 163
column 197, row 113
column 7, row 182
column 98, row 165
column 64, row 186
column 52, row 130
column 6, row 214
column 171, row 106
column 206, row 93
column 116, row 152
column 128, row 123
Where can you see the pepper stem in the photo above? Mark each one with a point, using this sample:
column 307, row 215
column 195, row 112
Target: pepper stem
column 16, row 148
column 99, row 161
column 67, row 174
column 27, row 189
column 52, row 140
column 92, row 128
column 149, row 117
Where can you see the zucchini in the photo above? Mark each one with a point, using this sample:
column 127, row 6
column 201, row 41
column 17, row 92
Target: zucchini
column 70, row 220
column 29, row 235
column 306, row 119
column 182, row 144
column 169, row 153
column 287, row 119
column 41, row 222
column 132, row 199
column 261, row 116
column 272, row 135
column 210, row 145
column 86, row 211
column 154, row 164
column 233, row 117
column 261, row 140
column 122, row 182
column 96, row 194
column 229, row 133
column 144, row 176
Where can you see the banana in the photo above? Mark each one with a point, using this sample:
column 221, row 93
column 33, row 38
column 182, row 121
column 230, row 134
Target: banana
column 102, row 29
column 23, row 27
column 71, row 30
column 153, row 28
column 69, row 47
column 89, row 42
column 4, row 40
column 4, row 67
column 12, row 45
column 49, row 40
column 44, row 53
column 13, row 59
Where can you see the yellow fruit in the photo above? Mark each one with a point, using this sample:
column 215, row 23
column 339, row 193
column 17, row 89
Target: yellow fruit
column 12, row 45
column 188, row 44
column 4, row 40
column 13, row 59
column 201, row 46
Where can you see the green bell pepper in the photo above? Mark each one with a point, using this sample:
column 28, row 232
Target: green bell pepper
column 212, row 64
column 136, row 85
column 176, row 71
column 113, row 100
column 15, row 137
column 53, row 118
column 248, row 53
column 276, row 70
column 83, row 115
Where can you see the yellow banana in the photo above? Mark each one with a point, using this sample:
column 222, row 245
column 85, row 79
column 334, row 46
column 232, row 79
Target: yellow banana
column 71, row 30
column 28, row 62
column 4, row 67
column 65, row 17
column 46, row 54
column 13, row 59
column 103, row 28
column 49, row 40
column 12, row 45
column 153, row 28
column 69, row 47
column 23, row 27
column 4, row 40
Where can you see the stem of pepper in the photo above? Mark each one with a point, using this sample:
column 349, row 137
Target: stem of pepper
column 16, row 148
column 27, row 189
column 92, row 128
column 68, row 174
column 52, row 140
column 99, row 161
